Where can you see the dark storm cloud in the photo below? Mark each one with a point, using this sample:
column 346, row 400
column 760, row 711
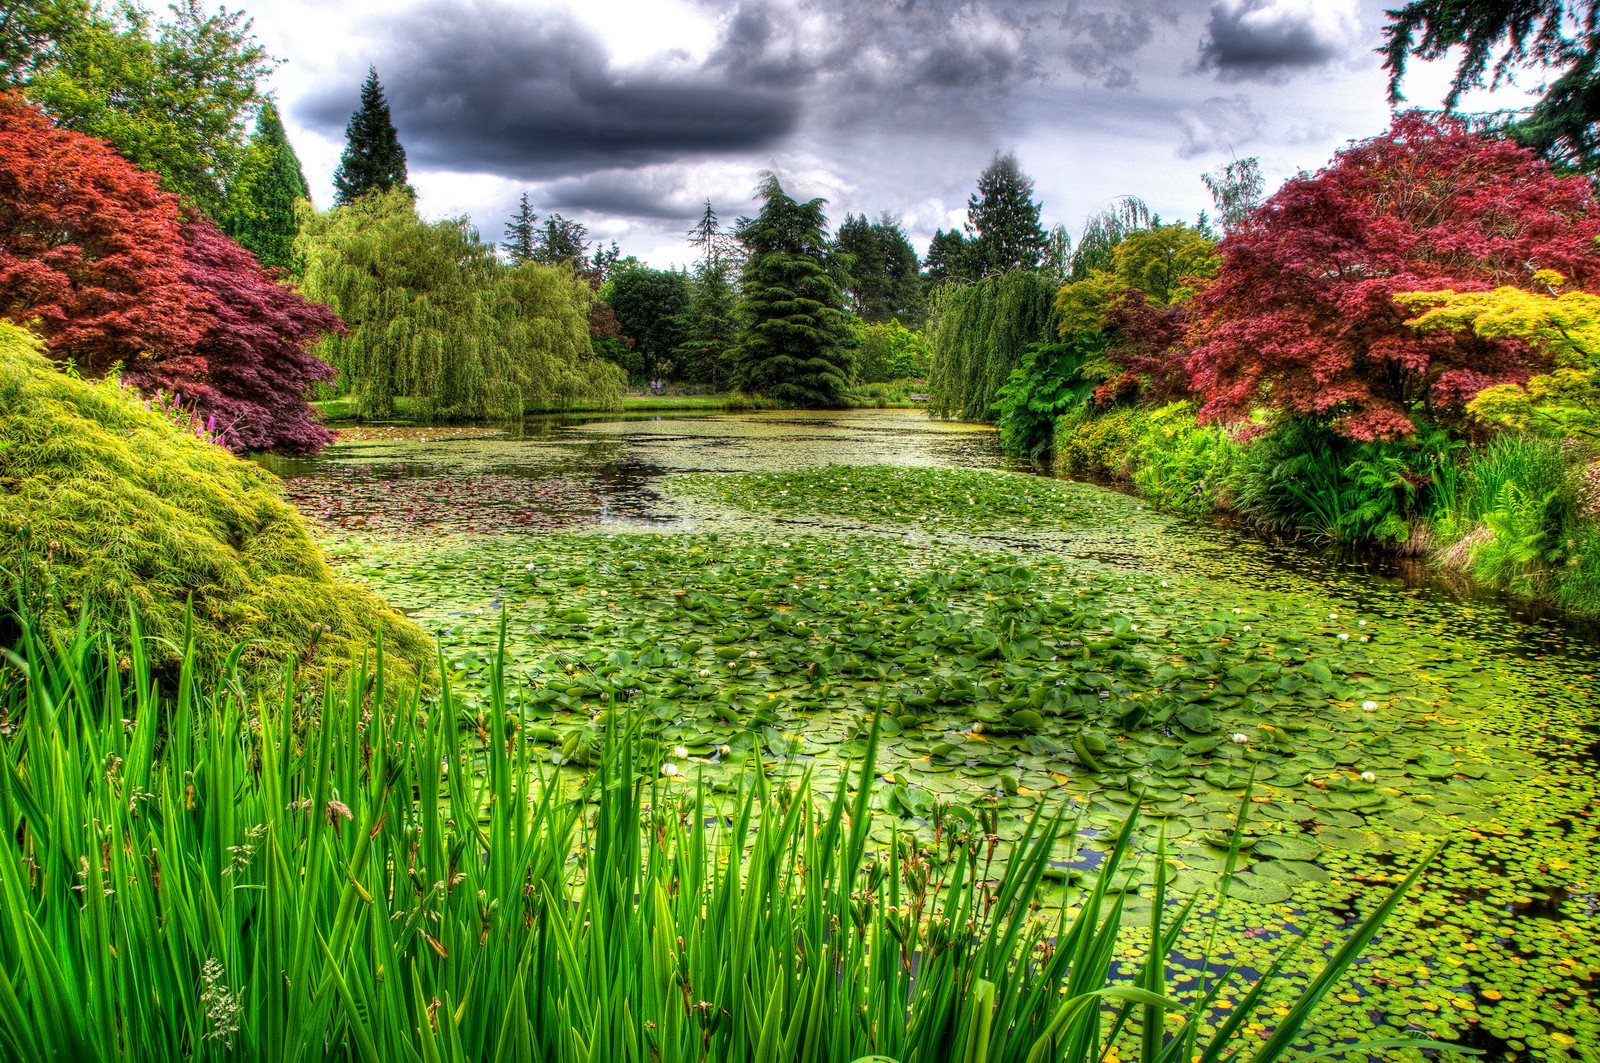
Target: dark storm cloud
column 1267, row 40
column 525, row 94
column 625, row 194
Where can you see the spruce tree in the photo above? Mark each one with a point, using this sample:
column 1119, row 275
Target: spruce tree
column 884, row 283
column 1003, row 220
column 949, row 258
column 262, row 215
column 796, row 346
column 708, row 326
column 522, row 235
column 373, row 159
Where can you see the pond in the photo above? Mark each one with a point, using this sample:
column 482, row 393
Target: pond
column 758, row 585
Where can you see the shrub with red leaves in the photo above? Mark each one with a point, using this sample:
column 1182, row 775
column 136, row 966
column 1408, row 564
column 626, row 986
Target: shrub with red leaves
column 99, row 261
column 1302, row 319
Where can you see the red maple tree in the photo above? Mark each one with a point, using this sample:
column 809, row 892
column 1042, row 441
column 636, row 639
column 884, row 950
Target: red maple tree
column 102, row 264
column 251, row 369
column 1302, row 319
column 1145, row 344
column 89, row 251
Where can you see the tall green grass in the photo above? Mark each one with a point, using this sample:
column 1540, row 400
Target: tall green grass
column 214, row 872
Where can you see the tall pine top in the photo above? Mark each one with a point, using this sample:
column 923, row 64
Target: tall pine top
column 373, row 158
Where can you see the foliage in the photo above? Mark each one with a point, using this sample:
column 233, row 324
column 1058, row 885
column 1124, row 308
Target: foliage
column 1104, row 231
column 373, row 159
column 949, row 258
column 977, row 334
column 1302, row 316
column 96, row 260
column 889, row 351
column 1003, row 231
column 104, row 505
column 718, row 248
column 1053, row 379
column 433, row 314
column 521, row 244
column 884, row 284
column 1236, row 190
column 90, row 254
column 1174, row 462
column 650, row 305
column 251, row 371
column 172, row 97
column 1303, row 478
column 561, row 241
column 663, row 937
column 796, row 345
column 1552, row 34
column 264, row 200
column 709, row 331
column 1566, row 327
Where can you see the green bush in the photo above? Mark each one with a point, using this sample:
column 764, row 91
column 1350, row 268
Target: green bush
column 1175, row 463
column 105, row 505
column 1050, row 382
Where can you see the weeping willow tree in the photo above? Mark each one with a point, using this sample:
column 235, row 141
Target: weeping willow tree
column 977, row 335
column 433, row 315
column 1104, row 231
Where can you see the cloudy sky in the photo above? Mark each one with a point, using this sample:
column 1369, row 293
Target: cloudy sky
column 629, row 114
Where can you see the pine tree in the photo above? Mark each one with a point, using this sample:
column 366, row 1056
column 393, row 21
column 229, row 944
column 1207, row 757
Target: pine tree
column 522, row 235
column 1003, row 220
column 796, row 347
column 263, row 204
column 373, row 158
column 949, row 258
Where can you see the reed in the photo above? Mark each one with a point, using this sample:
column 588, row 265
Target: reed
column 208, row 872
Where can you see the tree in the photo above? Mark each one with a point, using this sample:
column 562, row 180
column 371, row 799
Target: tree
column 1132, row 313
column 714, row 244
column 433, row 314
column 650, row 304
column 949, row 258
column 1104, row 231
column 251, row 371
column 883, row 283
column 977, row 334
column 709, row 333
column 373, row 160
column 521, row 234
column 1057, row 264
column 1236, row 190
column 889, row 351
column 1303, row 318
column 796, row 343
column 1560, row 35
column 173, row 97
column 1003, row 220
column 96, row 259
column 265, row 202
column 91, row 256
column 1565, row 326
column 561, row 241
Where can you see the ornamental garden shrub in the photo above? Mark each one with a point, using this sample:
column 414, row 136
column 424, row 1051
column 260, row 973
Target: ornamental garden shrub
column 106, row 507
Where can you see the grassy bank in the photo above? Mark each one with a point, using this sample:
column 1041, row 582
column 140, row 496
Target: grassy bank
column 354, row 883
column 1517, row 513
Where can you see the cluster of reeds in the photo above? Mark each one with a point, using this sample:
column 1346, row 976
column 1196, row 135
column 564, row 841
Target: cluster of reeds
column 210, row 873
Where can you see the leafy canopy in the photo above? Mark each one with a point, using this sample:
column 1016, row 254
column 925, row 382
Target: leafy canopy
column 796, row 345
column 977, row 334
column 1302, row 317
column 1563, row 402
column 175, row 97
column 433, row 314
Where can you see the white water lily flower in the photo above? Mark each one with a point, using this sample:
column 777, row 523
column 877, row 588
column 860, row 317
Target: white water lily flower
column 1241, row 739
column 1368, row 776
column 753, row 653
column 1163, row 583
column 1247, row 627
column 680, row 751
column 1365, row 639
column 1361, row 623
column 669, row 769
column 705, row 673
column 1343, row 637
column 529, row 566
column 1369, row 705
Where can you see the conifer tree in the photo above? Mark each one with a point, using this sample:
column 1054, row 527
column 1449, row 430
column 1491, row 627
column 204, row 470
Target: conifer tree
column 883, row 281
column 708, row 326
column 1003, row 220
column 796, row 347
column 522, row 235
column 373, row 159
column 271, row 184
column 949, row 258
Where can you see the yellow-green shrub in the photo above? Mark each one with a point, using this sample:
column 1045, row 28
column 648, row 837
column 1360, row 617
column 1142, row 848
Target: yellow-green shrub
column 105, row 505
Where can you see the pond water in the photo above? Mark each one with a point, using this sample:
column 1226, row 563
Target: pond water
column 1033, row 641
